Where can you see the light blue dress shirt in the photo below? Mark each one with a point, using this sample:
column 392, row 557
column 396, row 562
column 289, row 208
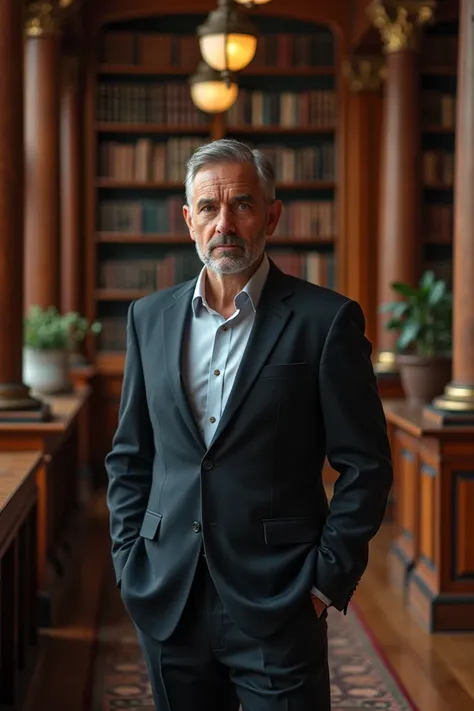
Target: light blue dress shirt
column 213, row 350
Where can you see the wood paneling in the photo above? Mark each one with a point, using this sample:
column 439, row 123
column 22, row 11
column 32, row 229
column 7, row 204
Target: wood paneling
column 18, row 621
column 432, row 557
column 57, row 481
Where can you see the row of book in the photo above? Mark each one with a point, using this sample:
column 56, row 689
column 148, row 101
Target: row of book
column 301, row 219
column 438, row 168
column 438, row 223
column 147, row 160
column 149, row 274
column 438, row 109
column 153, row 274
column 163, row 51
column 315, row 162
column 154, row 216
column 307, row 220
column 165, row 103
column 284, row 108
column 165, row 161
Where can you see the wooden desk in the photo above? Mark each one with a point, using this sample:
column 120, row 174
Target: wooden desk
column 18, row 601
column 432, row 558
column 58, row 489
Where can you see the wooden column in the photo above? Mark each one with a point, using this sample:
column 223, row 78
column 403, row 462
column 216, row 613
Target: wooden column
column 42, row 56
column 71, row 172
column 458, row 399
column 400, row 239
column 13, row 394
column 363, row 121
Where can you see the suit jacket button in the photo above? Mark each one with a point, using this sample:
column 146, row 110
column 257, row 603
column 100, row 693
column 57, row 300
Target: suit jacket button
column 207, row 464
column 196, row 526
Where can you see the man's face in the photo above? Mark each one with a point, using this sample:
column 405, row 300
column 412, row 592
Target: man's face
column 230, row 217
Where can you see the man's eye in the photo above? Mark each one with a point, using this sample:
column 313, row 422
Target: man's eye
column 244, row 205
column 207, row 208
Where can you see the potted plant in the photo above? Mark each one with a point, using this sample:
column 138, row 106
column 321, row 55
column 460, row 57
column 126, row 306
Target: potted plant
column 48, row 339
column 79, row 327
column 423, row 319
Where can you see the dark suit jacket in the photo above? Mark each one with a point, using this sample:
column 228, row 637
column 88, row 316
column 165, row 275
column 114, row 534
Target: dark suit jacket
column 255, row 497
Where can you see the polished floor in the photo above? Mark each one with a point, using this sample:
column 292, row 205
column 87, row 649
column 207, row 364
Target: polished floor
column 437, row 670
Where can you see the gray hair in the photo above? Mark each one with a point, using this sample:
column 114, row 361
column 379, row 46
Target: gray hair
column 232, row 151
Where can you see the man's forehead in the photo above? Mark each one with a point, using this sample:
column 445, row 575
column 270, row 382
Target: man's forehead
column 225, row 177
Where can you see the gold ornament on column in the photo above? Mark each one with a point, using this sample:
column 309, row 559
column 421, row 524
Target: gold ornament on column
column 41, row 19
column 398, row 22
column 364, row 73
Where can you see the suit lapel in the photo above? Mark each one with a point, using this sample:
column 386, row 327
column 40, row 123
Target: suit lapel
column 270, row 320
column 175, row 319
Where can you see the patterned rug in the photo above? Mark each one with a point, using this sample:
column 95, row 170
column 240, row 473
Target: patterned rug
column 360, row 678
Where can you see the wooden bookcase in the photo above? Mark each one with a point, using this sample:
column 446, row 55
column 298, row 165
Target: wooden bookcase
column 438, row 86
column 140, row 244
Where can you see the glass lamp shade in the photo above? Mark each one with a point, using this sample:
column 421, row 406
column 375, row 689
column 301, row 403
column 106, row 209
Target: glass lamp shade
column 227, row 39
column 210, row 92
column 233, row 51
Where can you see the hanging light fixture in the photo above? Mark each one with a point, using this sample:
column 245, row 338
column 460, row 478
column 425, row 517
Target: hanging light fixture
column 251, row 3
column 211, row 92
column 227, row 39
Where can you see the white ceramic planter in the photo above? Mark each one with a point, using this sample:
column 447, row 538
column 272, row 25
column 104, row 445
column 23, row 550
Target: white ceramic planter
column 46, row 371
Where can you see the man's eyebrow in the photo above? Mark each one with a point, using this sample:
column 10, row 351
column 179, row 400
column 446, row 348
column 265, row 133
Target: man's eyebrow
column 245, row 197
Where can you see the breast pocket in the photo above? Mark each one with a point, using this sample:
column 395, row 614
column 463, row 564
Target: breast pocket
column 286, row 370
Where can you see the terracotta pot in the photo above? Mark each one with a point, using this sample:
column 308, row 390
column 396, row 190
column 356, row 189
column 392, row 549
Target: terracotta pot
column 424, row 377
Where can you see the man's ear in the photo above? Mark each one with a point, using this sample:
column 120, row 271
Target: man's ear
column 189, row 220
column 274, row 214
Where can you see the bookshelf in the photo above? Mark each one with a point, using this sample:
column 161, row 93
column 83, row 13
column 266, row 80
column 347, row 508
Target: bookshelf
column 142, row 127
column 438, row 86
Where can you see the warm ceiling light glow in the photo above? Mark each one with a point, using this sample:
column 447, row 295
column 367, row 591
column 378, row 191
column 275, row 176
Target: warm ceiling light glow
column 227, row 39
column 251, row 3
column 232, row 51
column 210, row 92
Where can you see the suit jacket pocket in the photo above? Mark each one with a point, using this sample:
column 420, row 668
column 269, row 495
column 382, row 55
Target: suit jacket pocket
column 285, row 370
column 290, row 530
column 150, row 525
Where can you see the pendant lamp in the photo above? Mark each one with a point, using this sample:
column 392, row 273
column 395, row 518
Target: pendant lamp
column 227, row 39
column 211, row 92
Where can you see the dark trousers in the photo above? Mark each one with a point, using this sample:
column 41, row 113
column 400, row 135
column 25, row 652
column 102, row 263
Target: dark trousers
column 209, row 664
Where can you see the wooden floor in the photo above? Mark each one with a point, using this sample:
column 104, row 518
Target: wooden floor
column 437, row 670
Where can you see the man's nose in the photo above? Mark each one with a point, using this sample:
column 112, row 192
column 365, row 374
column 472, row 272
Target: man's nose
column 225, row 222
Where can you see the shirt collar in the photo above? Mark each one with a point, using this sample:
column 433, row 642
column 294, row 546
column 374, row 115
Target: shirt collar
column 253, row 288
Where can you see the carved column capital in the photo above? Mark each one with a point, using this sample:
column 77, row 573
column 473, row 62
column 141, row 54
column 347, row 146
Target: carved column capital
column 399, row 22
column 364, row 73
column 42, row 18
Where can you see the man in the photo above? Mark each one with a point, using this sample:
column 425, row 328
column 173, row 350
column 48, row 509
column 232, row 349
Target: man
column 236, row 387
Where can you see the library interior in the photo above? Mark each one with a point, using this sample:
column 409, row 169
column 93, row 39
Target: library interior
column 365, row 109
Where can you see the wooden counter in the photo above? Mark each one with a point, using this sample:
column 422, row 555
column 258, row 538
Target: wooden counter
column 58, row 488
column 432, row 558
column 18, row 601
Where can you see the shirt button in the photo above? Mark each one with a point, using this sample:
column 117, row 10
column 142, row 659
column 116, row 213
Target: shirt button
column 196, row 526
column 212, row 419
column 217, row 372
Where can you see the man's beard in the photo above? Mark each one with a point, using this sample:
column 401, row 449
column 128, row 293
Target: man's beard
column 232, row 261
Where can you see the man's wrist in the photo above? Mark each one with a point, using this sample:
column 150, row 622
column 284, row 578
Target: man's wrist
column 317, row 593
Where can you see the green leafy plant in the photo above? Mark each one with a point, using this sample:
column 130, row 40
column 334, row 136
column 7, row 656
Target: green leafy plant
column 47, row 329
column 423, row 318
